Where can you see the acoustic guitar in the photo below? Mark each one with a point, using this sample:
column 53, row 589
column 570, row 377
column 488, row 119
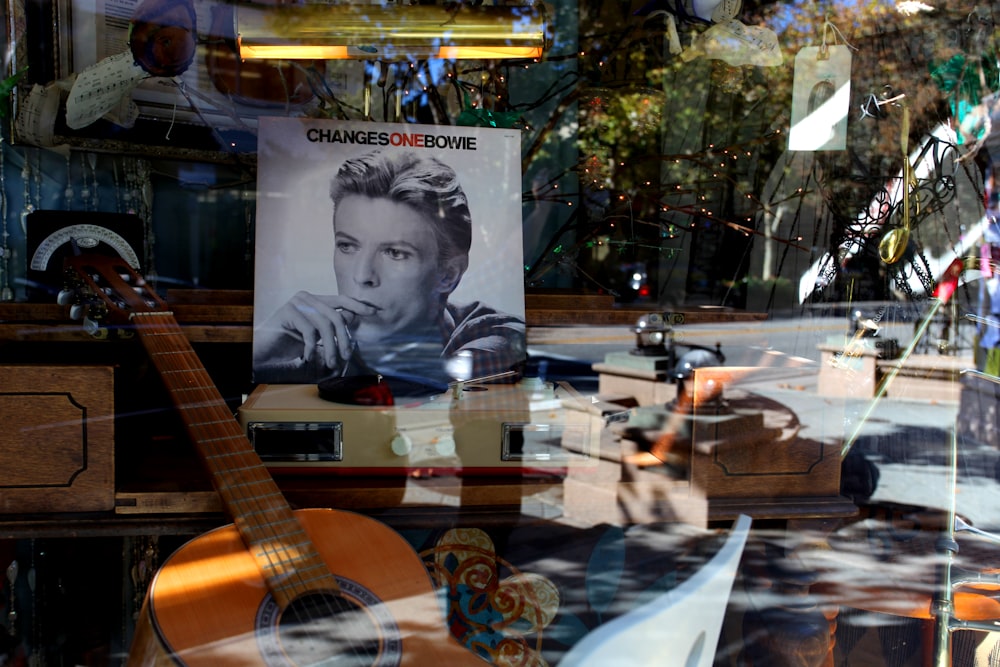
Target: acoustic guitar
column 278, row 586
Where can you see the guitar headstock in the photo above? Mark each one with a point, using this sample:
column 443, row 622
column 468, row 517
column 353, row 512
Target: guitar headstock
column 102, row 290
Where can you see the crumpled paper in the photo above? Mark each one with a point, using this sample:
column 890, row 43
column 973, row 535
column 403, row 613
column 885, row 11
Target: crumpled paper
column 737, row 44
column 105, row 90
column 162, row 42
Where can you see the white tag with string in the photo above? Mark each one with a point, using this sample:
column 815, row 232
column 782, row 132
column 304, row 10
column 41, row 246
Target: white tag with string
column 821, row 99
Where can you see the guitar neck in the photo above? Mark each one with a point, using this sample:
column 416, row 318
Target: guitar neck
column 260, row 512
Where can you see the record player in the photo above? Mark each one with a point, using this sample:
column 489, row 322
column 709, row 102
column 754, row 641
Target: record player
column 474, row 429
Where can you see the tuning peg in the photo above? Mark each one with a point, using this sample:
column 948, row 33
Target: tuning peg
column 77, row 311
column 94, row 328
column 65, row 297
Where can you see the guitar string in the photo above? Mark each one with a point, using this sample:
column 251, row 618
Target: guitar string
column 285, row 561
column 233, row 493
column 154, row 332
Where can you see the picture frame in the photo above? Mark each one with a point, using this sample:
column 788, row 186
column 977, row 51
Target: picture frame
column 187, row 117
column 299, row 160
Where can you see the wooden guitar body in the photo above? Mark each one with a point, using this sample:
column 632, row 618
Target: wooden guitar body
column 209, row 604
column 278, row 587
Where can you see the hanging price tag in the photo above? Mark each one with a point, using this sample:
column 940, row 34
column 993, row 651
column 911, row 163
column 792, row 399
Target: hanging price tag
column 821, row 99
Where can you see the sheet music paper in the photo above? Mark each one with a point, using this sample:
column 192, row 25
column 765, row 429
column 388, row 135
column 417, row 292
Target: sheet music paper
column 36, row 118
column 105, row 88
column 737, row 44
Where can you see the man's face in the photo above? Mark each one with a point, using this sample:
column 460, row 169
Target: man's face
column 386, row 255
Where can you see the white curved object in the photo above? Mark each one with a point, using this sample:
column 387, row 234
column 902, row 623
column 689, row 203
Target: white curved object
column 680, row 628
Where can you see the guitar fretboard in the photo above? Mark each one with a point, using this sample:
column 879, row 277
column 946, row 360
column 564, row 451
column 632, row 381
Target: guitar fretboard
column 283, row 551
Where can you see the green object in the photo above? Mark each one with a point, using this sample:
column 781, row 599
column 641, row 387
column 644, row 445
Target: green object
column 487, row 118
column 993, row 362
column 959, row 77
column 472, row 117
column 6, row 87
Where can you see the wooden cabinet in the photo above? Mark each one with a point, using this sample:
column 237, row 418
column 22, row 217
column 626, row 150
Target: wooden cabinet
column 57, row 438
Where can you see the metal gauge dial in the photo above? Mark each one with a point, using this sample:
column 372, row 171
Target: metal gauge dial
column 87, row 237
column 53, row 235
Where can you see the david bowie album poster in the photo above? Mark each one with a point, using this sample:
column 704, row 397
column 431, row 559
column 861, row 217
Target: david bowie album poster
column 389, row 249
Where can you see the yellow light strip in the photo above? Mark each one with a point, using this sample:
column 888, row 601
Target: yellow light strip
column 388, row 33
column 292, row 52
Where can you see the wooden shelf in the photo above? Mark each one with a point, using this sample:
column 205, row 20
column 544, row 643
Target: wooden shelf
column 169, row 493
column 225, row 316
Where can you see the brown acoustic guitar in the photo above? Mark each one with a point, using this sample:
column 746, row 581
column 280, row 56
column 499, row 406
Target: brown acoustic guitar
column 278, row 586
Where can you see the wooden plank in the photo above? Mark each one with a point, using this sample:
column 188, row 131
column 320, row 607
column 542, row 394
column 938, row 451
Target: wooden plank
column 568, row 300
column 167, row 502
column 229, row 323
column 31, row 312
column 540, row 312
column 211, row 313
column 73, row 333
column 210, row 297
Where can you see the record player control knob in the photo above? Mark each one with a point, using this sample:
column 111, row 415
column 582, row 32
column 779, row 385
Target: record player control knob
column 402, row 444
column 445, row 445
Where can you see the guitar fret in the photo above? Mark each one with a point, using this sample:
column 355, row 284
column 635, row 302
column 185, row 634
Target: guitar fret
column 241, row 484
column 274, row 494
column 172, row 371
column 225, row 438
column 249, row 485
column 233, row 441
column 214, row 422
column 247, row 466
column 269, row 527
column 323, row 575
column 211, row 415
column 298, row 584
column 260, row 510
column 315, row 565
column 199, row 388
column 265, row 533
column 283, row 548
column 208, row 430
column 283, row 556
column 227, row 454
column 245, row 460
column 264, row 510
column 219, row 447
column 289, row 529
column 293, row 538
column 168, row 373
column 266, row 498
column 239, row 487
column 209, row 397
column 192, row 409
column 256, row 501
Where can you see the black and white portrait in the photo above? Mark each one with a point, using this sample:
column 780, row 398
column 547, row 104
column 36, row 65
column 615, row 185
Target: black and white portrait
column 387, row 248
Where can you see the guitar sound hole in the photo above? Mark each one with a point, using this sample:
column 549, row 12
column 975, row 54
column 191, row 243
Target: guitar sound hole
column 325, row 629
